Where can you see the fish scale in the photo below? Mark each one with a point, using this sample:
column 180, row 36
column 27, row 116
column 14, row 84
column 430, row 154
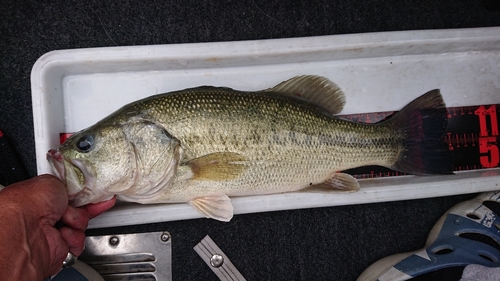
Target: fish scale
column 319, row 142
column 260, row 113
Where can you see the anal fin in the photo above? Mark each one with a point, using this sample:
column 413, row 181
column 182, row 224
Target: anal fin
column 216, row 207
column 339, row 182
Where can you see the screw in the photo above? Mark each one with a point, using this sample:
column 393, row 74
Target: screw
column 165, row 236
column 216, row 260
column 114, row 241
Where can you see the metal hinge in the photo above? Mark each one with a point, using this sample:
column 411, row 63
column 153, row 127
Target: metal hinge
column 142, row 256
column 217, row 260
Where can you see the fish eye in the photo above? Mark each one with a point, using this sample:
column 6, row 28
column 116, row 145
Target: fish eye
column 85, row 143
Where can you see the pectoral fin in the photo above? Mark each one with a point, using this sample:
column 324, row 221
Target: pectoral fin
column 218, row 166
column 215, row 207
column 339, row 182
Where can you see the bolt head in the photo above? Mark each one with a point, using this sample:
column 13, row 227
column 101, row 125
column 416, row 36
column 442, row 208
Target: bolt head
column 217, row 260
column 114, row 241
column 165, row 237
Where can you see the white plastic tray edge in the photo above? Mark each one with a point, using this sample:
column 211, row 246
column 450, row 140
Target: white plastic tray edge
column 371, row 192
column 49, row 71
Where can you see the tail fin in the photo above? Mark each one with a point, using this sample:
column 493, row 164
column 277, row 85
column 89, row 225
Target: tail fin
column 422, row 123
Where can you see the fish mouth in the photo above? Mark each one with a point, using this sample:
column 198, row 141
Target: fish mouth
column 56, row 159
column 73, row 172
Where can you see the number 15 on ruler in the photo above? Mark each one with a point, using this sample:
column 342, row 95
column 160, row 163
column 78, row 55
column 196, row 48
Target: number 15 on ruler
column 488, row 147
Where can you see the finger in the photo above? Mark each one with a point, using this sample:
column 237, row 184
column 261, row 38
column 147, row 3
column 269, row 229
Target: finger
column 75, row 239
column 77, row 218
column 98, row 208
column 53, row 190
column 58, row 250
column 49, row 196
column 45, row 193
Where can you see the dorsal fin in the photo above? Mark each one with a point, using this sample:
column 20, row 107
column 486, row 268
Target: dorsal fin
column 316, row 89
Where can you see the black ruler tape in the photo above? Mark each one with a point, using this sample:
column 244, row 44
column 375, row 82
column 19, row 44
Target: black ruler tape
column 471, row 134
column 472, row 137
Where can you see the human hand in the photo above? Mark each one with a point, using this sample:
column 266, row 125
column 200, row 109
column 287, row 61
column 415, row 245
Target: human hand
column 29, row 211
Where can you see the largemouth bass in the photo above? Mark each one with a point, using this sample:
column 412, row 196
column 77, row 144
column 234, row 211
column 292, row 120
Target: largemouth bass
column 205, row 144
